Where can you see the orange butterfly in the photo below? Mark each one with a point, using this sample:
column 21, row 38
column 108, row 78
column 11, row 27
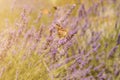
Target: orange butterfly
column 62, row 32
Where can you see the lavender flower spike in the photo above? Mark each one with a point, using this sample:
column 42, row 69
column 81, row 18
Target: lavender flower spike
column 118, row 40
column 113, row 50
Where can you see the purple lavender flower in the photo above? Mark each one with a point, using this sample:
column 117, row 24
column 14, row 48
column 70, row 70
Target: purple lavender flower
column 112, row 52
column 96, row 47
column 118, row 40
column 82, row 11
column 116, row 72
column 62, row 41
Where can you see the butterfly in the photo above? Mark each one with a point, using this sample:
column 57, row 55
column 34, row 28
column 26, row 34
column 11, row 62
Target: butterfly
column 61, row 32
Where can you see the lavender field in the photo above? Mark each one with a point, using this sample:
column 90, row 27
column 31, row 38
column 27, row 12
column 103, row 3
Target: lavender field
column 59, row 39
